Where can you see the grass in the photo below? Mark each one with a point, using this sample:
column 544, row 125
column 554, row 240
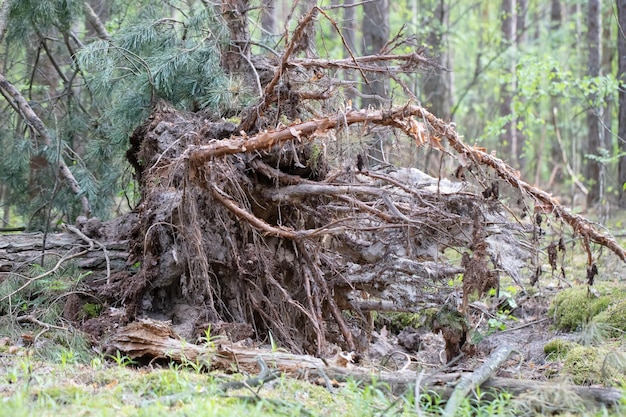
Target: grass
column 117, row 387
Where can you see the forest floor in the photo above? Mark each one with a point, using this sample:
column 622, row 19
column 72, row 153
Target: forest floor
column 55, row 370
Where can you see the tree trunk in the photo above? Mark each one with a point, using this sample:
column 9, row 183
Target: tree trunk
column 234, row 12
column 437, row 84
column 268, row 17
column 375, row 31
column 556, row 14
column 509, row 138
column 594, row 171
column 621, row 76
column 375, row 36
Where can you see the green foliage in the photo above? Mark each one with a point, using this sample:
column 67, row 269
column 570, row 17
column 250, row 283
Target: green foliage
column 574, row 307
column 26, row 16
column 154, row 58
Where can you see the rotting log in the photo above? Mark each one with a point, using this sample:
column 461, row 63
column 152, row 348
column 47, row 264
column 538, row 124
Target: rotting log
column 150, row 339
column 20, row 251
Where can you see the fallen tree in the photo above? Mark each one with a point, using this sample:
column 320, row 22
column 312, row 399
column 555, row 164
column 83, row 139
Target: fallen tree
column 279, row 222
column 150, row 340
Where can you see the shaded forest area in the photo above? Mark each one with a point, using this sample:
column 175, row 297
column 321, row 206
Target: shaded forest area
column 273, row 201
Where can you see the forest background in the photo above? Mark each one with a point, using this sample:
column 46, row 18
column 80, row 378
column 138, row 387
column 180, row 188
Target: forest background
column 538, row 82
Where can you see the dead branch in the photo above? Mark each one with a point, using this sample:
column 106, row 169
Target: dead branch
column 409, row 63
column 268, row 94
column 150, row 339
column 475, row 379
column 13, row 95
column 579, row 224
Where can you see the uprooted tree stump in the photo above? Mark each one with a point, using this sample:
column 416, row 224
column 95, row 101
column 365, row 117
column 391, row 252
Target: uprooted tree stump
column 265, row 229
column 262, row 230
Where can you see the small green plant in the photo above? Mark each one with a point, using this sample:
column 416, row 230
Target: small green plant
column 91, row 310
column 122, row 360
column 67, row 357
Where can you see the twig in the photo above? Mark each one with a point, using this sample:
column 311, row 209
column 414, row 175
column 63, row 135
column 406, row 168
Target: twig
column 32, row 319
column 265, row 375
column 512, row 329
column 45, row 274
column 468, row 382
column 91, row 243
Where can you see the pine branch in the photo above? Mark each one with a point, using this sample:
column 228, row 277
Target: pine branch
column 95, row 21
column 4, row 15
column 12, row 94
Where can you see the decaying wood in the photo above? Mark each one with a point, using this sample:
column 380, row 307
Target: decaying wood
column 475, row 379
column 150, row 339
column 18, row 251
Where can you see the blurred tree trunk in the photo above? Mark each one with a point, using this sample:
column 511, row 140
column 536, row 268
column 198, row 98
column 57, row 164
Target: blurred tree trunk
column 437, row 84
column 375, row 29
column 349, row 34
column 594, row 169
column 520, row 25
column 234, row 12
column 621, row 76
column 556, row 14
column 512, row 149
column 349, row 25
column 268, row 17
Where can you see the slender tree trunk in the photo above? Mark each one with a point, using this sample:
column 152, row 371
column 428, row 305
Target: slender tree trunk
column 268, row 17
column 509, row 138
column 556, row 14
column 349, row 34
column 375, row 36
column 436, row 85
column 349, row 25
column 520, row 25
column 621, row 76
column 375, row 31
column 594, row 171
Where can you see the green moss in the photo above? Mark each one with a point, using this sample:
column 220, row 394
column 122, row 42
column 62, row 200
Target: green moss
column 396, row 322
column 591, row 365
column 574, row 307
column 614, row 317
column 557, row 348
column 91, row 311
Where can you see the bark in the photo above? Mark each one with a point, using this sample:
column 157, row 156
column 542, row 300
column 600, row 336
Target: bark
column 509, row 138
column 4, row 13
column 149, row 339
column 621, row 76
column 268, row 17
column 105, row 246
column 234, row 56
column 437, row 85
column 595, row 170
column 349, row 26
column 375, row 29
column 96, row 21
